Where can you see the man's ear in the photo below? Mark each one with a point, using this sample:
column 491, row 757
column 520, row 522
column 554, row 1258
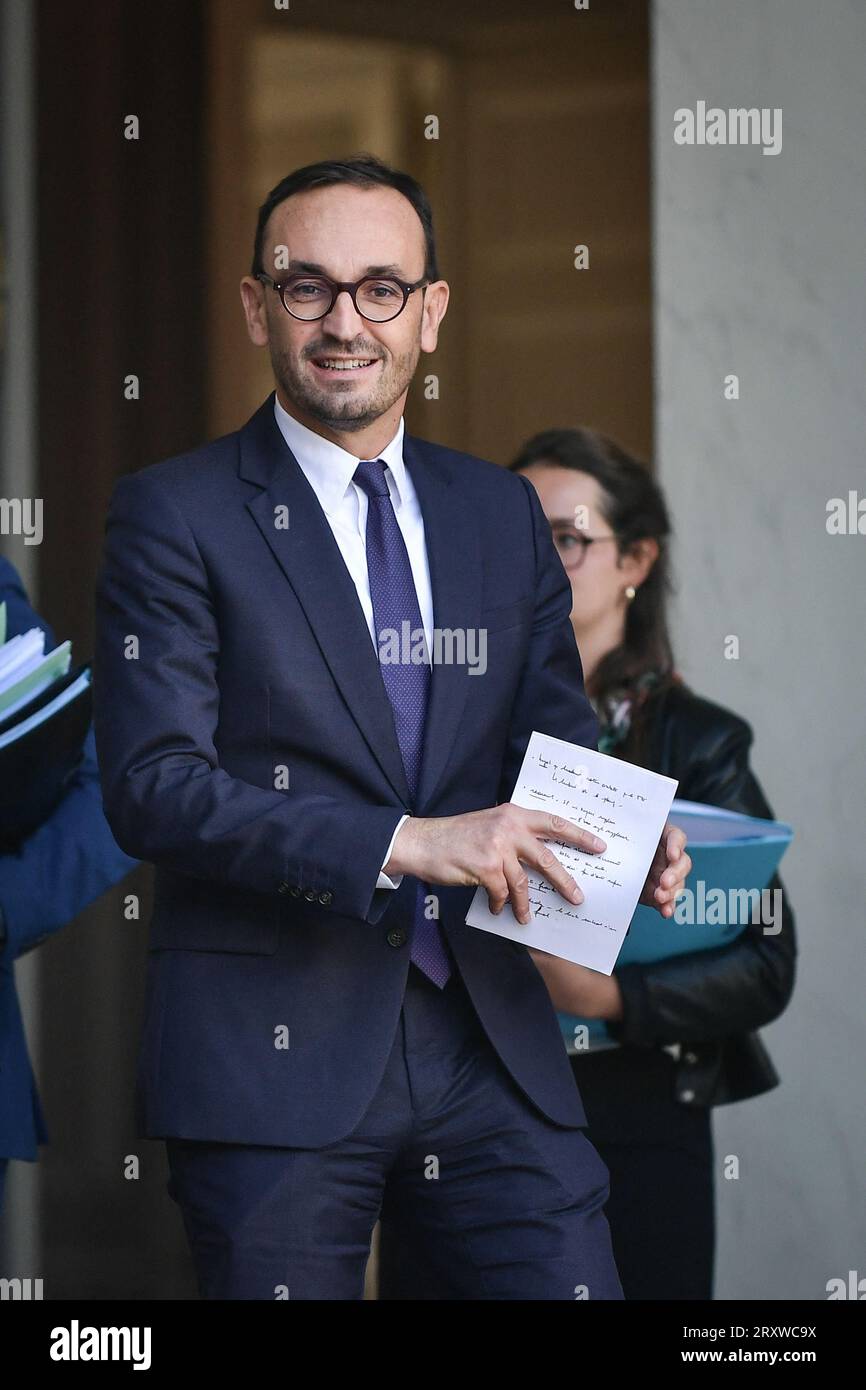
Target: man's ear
column 255, row 311
column 435, row 303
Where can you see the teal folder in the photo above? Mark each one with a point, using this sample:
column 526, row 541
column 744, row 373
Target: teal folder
column 733, row 859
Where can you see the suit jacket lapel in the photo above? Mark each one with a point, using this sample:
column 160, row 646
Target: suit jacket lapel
column 310, row 558
column 454, row 556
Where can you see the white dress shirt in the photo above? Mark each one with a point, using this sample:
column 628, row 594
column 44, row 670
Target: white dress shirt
column 329, row 469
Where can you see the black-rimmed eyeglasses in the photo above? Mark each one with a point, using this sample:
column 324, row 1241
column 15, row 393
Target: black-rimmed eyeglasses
column 311, row 297
column 573, row 545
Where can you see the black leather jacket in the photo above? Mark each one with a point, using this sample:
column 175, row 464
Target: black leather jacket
column 710, row 1002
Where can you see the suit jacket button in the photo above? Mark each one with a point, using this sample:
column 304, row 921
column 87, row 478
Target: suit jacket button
column 283, row 888
column 687, row 1097
column 325, row 898
column 295, row 891
column 396, row 937
column 310, row 895
column 691, row 1058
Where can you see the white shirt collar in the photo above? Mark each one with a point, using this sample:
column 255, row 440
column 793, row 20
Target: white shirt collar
column 329, row 468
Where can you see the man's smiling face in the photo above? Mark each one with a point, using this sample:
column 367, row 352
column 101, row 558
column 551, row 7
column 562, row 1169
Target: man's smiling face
column 341, row 373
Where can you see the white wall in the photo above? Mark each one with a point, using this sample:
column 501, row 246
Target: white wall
column 760, row 266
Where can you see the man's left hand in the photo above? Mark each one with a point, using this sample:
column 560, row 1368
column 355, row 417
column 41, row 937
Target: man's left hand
column 668, row 871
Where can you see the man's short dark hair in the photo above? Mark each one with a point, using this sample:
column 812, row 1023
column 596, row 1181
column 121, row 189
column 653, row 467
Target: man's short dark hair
column 364, row 171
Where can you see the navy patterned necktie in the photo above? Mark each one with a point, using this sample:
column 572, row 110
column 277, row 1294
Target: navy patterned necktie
column 396, row 610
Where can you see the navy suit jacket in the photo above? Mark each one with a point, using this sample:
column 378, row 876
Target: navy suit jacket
column 53, row 875
column 232, row 650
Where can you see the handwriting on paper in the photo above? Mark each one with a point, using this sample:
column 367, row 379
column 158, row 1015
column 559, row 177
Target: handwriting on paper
column 626, row 806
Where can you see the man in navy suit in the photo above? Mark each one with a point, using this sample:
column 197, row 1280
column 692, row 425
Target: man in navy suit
column 322, row 647
column 50, row 877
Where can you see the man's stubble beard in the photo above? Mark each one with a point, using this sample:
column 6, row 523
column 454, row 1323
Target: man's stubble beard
column 350, row 413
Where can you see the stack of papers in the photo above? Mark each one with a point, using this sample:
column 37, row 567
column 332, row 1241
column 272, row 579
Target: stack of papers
column 44, row 718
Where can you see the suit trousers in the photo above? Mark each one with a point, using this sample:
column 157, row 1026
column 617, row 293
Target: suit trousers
column 504, row 1203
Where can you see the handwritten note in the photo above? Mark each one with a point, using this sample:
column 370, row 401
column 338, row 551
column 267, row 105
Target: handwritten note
column 626, row 806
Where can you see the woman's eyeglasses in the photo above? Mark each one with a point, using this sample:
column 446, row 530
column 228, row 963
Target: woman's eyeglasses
column 573, row 545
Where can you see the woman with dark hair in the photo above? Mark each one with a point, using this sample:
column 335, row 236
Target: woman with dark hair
column 681, row 1032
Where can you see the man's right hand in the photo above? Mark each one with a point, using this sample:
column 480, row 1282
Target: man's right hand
column 493, row 848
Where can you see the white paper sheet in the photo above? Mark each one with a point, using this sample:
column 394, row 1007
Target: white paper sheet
column 626, row 806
